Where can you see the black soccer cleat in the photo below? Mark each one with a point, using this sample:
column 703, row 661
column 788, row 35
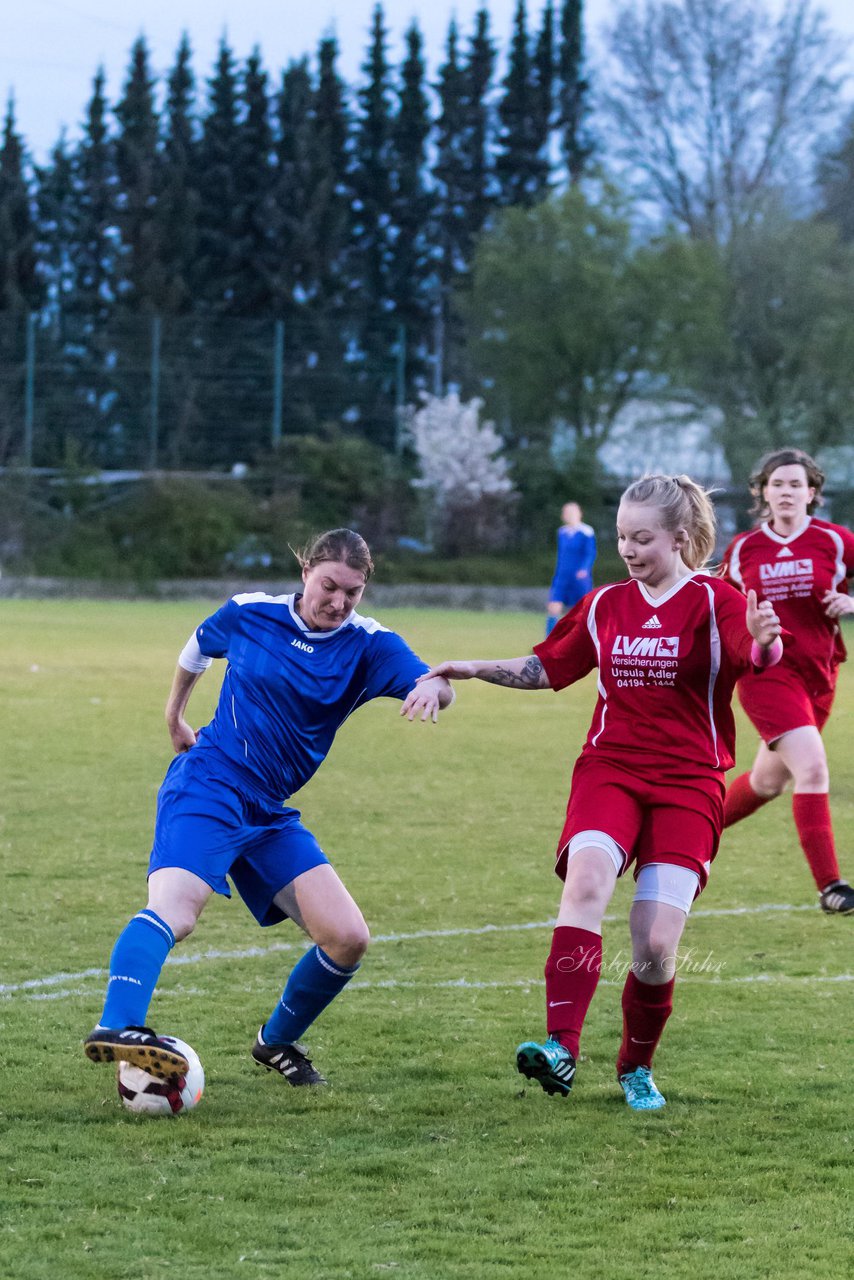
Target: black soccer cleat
column 837, row 899
column 290, row 1060
column 140, row 1047
column 550, row 1064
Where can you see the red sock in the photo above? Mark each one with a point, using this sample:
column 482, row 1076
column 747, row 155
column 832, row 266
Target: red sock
column 815, row 831
column 741, row 800
column 572, row 974
column 645, row 1012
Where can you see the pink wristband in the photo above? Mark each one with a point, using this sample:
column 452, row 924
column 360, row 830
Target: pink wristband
column 769, row 657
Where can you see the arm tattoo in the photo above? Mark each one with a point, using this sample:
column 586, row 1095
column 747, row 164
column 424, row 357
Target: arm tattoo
column 532, row 676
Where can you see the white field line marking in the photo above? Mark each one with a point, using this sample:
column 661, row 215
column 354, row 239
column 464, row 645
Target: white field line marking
column 251, row 953
column 510, row 984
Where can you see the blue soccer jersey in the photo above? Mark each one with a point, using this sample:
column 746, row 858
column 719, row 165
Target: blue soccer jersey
column 576, row 552
column 287, row 689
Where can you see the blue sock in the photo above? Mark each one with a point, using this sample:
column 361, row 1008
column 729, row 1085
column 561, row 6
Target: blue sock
column 314, row 982
column 138, row 956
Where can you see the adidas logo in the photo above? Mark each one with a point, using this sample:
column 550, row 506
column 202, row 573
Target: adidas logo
column 784, row 551
column 652, row 625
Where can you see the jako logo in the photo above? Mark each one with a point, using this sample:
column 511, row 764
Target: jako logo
column 786, row 569
column 646, row 647
column 300, row 644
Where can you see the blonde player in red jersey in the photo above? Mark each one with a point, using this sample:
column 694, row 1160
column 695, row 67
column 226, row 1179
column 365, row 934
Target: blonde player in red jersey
column 801, row 564
column 648, row 787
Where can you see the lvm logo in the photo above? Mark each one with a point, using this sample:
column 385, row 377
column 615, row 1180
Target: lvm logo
column 785, row 569
column 646, row 647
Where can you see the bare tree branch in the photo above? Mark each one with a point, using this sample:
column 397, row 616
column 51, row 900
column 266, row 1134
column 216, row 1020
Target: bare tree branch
column 714, row 104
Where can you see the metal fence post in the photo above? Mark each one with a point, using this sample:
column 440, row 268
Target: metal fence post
column 400, row 388
column 154, row 420
column 278, row 382
column 29, row 387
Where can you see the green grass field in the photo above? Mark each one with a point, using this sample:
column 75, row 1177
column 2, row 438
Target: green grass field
column 427, row 1159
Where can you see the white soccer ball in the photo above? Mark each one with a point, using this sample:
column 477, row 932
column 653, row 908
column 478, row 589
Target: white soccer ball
column 148, row 1095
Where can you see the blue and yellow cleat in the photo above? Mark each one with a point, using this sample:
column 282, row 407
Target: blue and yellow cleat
column 640, row 1090
column 550, row 1064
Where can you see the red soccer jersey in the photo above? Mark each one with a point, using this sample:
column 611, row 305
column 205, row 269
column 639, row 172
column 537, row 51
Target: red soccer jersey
column 667, row 669
column 794, row 573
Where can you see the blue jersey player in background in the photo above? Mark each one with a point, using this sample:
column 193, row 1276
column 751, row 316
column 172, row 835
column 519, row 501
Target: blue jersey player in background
column 573, row 576
column 298, row 666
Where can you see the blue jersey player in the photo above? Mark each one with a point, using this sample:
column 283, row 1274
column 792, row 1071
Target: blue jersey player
column 298, row 666
column 573, row 576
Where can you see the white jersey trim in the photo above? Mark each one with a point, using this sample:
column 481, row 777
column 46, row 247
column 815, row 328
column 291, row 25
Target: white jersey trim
column 735, row 560
column 840, row 571
column 714, row 667
column 191, row 657
column 252, row 597
column 594, row 636
column 655, row 601
column 778, row 537
column 353, row 620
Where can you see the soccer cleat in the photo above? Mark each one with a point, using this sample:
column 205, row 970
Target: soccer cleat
column 550, row 1064
column 140, row 1047
column 640, row 1090
column 837, row 899
column 290, row 1060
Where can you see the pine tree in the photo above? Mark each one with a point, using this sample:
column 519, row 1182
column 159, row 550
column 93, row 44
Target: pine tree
column 543, row 79
column 254, row 191
column 296, row 291
column 217, row 263
column 94, row 253
column 412, row 204
column 141, row 284
column 294, row 193
column 573, row 90
column 57, row 204
column 521, row 169
column 477, row 78
column 84, row 428
column 373, row 170
column 332, row 183
column 19, row 284
column 332, row 219
column 177, row 211
column 177, row 195
column 372, row 232
column 450, row 166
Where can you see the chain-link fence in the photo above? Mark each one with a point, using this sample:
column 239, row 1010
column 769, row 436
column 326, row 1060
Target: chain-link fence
column 193, row 393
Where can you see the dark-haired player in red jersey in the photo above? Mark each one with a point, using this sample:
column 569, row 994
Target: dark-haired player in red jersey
column 801, row 564
column 648, row 788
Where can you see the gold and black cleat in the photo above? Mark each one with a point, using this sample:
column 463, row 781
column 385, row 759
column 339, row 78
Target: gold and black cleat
column 140, row 1047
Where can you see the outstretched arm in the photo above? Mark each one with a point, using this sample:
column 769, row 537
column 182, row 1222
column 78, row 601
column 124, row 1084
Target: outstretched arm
column 526, row 672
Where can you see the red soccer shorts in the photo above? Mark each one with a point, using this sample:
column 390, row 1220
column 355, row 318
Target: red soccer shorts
column 777, row 702
column 653, row 820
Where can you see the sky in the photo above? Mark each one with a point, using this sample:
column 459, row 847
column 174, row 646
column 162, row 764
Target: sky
column 50, row 49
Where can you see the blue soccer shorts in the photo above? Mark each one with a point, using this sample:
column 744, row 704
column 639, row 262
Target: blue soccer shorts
column 210, row 824
column 569, row 591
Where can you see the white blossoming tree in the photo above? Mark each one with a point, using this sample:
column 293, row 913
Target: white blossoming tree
column 464, row 475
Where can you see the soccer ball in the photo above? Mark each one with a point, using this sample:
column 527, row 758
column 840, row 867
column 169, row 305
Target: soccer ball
column 147, row 1095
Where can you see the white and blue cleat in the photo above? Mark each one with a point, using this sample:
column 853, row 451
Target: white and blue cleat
column 641, row 1091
